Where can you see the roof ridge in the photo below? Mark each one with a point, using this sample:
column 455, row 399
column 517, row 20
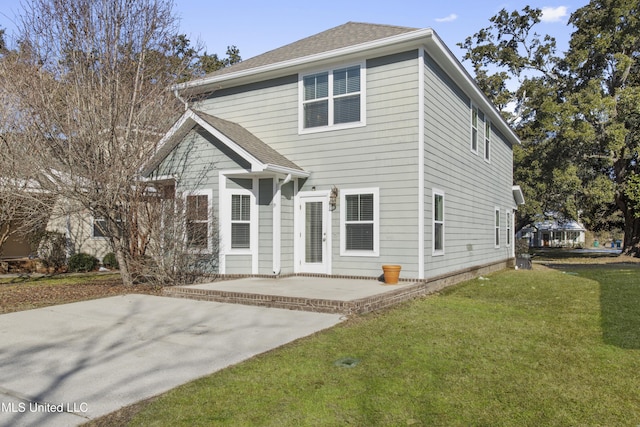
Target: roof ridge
column 350, row 33
column 380, row 25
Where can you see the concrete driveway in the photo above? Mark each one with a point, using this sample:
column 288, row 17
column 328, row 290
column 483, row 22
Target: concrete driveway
column 90, row 358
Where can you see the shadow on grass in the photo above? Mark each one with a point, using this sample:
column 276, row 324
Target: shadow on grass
column 564, row 253
column 619, row 300
column 620, row 307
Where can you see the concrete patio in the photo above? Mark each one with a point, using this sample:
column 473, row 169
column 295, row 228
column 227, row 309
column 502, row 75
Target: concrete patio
column 64, row 365
column 317, row 294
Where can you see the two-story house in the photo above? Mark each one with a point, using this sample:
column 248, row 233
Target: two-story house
column 359, row 146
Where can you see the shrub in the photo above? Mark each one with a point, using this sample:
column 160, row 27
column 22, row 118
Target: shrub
column 52, row 249
column 82, row 262
column 110, row 261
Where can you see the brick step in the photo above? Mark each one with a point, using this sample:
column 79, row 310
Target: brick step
column 358, row 306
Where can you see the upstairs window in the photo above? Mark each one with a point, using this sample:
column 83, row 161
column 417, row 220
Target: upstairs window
column 346, row 95
column 316, row 100
column 487, row 140
column 474, row 129
column 332, row 98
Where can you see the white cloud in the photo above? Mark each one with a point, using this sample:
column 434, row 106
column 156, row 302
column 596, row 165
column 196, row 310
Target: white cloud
column 553, row 14
column 449, row 18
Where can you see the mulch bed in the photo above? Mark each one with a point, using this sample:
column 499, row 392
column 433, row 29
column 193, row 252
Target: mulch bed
column 18, row 296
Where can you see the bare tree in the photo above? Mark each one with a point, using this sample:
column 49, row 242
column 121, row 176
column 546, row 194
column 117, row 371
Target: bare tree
column 182, row 245
column 91, row 78
column 24, row 206
column 24, row 210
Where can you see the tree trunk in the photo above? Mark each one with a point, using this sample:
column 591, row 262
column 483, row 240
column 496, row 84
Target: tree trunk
column 631, row 234
column 5, row 231
column 124, row 267
column 631, row 244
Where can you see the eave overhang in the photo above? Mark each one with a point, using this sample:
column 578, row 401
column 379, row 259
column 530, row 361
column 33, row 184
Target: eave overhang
column 517, row 195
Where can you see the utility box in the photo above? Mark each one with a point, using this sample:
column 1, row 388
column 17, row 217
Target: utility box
column 523, row 262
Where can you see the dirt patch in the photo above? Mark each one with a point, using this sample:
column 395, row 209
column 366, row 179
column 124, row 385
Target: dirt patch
column 34, row 294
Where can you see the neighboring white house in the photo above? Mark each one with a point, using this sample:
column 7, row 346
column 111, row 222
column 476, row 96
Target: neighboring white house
column 554, row 234
column 359, row 146
column 80, row 228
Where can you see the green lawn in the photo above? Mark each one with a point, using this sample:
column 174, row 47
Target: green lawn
column 521, row 348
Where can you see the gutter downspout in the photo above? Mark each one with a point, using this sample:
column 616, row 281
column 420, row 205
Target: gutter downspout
column 421, row 166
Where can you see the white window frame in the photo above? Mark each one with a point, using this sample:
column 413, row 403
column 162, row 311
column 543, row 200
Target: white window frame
column 331, row 126
column 376, row 222
column 487, row 140
column 475, row 131
column 240, row 221
column 253, row 224
column 94, row 220
column 435, row 251
column 93, row 229
column 209, row 194
column 496, row 233
column 224, row 217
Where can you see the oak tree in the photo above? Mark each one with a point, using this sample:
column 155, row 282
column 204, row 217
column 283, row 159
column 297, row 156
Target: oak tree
column 90, row 88
column 577, row 113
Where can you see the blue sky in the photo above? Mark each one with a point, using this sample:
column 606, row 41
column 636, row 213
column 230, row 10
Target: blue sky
column 259, row 26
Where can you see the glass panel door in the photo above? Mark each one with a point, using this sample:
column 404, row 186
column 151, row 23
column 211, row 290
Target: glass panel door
column 313, row 247
column 313, row 232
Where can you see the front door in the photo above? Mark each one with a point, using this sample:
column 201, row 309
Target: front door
column 314, row 256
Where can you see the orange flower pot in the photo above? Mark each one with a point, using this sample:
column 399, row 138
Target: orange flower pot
column 391, row 274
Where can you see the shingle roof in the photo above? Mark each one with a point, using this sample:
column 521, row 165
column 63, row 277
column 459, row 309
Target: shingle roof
column 349, row 34
column 248, row 141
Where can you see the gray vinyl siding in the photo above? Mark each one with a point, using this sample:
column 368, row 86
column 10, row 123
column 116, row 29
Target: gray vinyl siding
column 381, row 154
column 384, row 155
column 238, row 264
column 286, row 227
column 473, row 188
column 268, row 110
column 195, row 162
column 265, row 226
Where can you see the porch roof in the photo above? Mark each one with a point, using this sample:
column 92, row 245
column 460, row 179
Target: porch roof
column 261, row 156
column 569, row 225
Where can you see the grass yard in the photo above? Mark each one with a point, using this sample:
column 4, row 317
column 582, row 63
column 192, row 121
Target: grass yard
column 551, row 346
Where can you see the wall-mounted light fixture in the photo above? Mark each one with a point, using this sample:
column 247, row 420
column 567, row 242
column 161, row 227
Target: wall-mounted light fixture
column 333, row 198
